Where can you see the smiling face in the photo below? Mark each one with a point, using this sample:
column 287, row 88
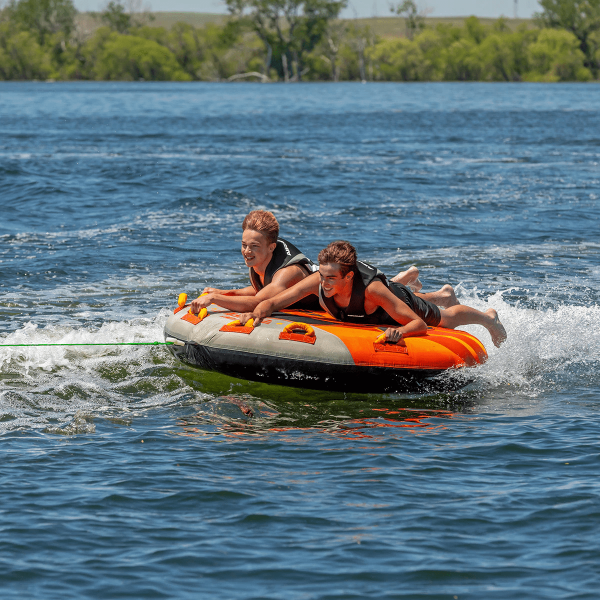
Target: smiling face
column 256, row 250
column 333, row 282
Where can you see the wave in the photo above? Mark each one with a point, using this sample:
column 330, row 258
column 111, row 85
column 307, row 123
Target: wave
column 62, row 389
column 44, row 387
column 546, row 347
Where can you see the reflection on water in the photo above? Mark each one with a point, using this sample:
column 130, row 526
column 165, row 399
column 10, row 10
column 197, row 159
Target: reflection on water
column 245, row 415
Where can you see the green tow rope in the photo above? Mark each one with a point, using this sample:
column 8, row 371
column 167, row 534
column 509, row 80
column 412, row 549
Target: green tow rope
column 91, row 344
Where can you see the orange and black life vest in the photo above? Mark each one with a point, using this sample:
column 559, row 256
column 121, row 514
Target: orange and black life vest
column 284, row 255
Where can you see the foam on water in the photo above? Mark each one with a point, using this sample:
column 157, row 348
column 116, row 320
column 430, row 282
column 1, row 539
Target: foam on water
column 43, row 387
column 47, row 358
column 550, row 346
column 48, row 387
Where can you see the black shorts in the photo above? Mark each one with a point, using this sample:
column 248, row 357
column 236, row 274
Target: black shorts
column 427, row 311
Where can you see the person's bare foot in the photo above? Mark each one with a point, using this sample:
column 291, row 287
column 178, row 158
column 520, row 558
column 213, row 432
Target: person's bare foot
column 496, row 329
column 415, row 285
column 409, row 278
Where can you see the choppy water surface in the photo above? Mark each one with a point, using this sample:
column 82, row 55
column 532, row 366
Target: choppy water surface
column 127, row 475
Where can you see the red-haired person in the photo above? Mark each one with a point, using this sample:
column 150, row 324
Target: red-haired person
column 353, row 291
column 276, row 265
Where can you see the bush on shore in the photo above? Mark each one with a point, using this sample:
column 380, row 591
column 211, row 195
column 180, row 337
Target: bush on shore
column 126, row 49
column 473, row 54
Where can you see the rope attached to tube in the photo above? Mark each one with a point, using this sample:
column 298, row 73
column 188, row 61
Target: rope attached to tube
column 90, row 344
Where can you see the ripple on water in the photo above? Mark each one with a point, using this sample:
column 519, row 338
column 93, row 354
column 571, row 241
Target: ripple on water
column 127, row 474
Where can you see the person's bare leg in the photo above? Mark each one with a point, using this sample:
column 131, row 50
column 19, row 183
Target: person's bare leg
column 409, row 278
column 444, row 297
column 465, row 315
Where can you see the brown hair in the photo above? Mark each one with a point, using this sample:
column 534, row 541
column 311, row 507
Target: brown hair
column 264, row 222
column 341, row 253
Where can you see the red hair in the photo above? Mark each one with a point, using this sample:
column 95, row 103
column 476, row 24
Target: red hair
column 264, row 222
column 341, row 253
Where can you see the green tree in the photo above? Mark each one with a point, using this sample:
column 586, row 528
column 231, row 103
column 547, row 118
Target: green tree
column 65, row 57
column 413, row 20
column 21, row 57
column 289, row 29
column 189, row 46
column 392, row 60
column 212, row 52
column 501, row 57
column 329, row 48
column 112, row 56
column 360, row 39
column 116, row 17
column 475, row 30
column 462, row 61
column 594, row 50
column 555, row 56
column 123, row 19
column 580, row 17
column 157, row 34
column 404, row 60
column 43, row 17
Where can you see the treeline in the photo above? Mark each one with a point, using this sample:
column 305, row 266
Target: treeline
column 293, row 40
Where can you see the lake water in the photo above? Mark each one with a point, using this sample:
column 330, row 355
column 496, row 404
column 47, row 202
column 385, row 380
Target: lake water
column 127, row 475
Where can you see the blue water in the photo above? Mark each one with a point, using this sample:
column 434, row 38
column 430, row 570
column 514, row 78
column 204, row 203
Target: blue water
column 127, row 475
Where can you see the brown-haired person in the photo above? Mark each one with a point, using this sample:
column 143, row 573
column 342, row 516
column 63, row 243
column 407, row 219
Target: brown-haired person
column 276, row 265
column 353, row 291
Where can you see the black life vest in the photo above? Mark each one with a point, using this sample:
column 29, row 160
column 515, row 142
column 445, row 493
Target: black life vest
column 284, row 255
column 364, row 275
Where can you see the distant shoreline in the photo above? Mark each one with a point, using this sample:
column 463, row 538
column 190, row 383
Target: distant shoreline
column 191, row 46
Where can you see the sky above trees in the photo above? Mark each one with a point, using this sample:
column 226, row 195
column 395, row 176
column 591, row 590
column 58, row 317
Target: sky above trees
column 358, row 8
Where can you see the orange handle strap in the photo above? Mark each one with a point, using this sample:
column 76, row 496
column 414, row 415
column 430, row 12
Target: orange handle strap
column 382, row 340
column 237, row 323
column 203, row 311
column 291, row 327
column 190, row 317
column 308, row 336
column 382, row 345
column 237, row 327
column 181, row 300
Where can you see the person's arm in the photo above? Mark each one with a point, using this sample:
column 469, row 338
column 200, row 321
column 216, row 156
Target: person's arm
column 410, row 323
column 247, row 291
column 282, row 280
column 208, row 295
column 304, row 288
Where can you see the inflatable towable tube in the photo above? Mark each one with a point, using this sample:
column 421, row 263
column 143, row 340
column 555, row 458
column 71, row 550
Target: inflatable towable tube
column 309, row 349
